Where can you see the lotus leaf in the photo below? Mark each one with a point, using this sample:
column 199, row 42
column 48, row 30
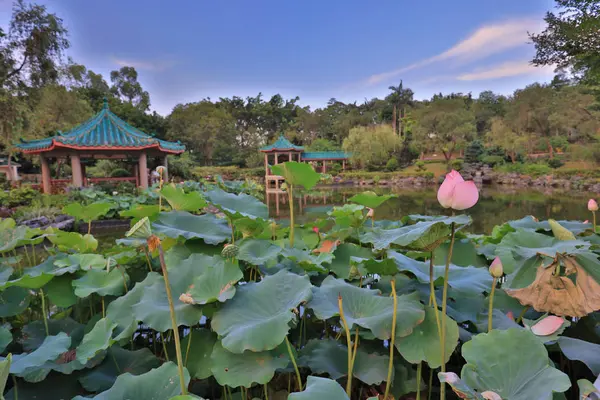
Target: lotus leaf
column 236, row 205
column 197, row 360
column 183, row 224
column 72, row 241
column 531, row 224
column 101, row 282
column 258, row 252
column 258, row 317
column 51, row 348
column 6, row 338
column 60, row 291
column 10, row 238
column 118, row 361
column 249, row 367
column 348, row 215
column 423, row 344
column 331, row 357
column 523, row 373
column 215, row 282
column 367, row 308
column 342, row 256
column 56, row 386
column 587, row 390
column 157, row 384
column 34, row 333
column 586, row 352
column 370, row 199
column 459, row 387
column 307, row 261
column 320, row 388
column 99, row 338
column 13, row 301
column 179, row 200
column 140, row 211
column 296, row 173
column 87, row 213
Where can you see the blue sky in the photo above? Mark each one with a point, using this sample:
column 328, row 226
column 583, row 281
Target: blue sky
column 186, row 50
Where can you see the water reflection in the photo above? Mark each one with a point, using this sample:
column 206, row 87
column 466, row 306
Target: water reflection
column 497, row 204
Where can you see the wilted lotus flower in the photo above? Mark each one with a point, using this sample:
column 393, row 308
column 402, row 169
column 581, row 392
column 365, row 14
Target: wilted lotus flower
column 489, row 395
column 456, row 193
column 548, row 325
column 496, row 269
column 592, row 205
column 370, row 213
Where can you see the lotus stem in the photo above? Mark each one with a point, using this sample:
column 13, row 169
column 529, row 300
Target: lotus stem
column 90, row 227
column 419, row 373
column 103, row 307
column 266, row 389
column 518, row 321
column 594, row 220
column 494, row 283
column 388, row 384
column 164, row 345
column 291, row 353
column 348, row 343
column 33, row 254
column 432, row 299
column 15, row 386
column 44, row 312
column 163, row 265
column 430, row 386
column 291, row 201
column 444, row 307
column 355, row 348
column 189, row 345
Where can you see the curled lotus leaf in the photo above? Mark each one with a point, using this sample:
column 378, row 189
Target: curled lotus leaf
column 141, row 211
column 370, row 199
column 207, row 227
column 179, row 200
column 586, row 352
column 238, row 205
column 249, row 367
column 87, row 213
column 103, row 283
column 320, row 388
column 367, row 308
column 561, row 294
column 50, row 349
column 11, row 236
column 297, row 173
column 459, row 387
column 96, row 340
column 258, row 317
column 72, row 241
column 215, row 282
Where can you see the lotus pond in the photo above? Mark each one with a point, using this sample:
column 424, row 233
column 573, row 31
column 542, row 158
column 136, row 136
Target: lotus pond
column 207, row 297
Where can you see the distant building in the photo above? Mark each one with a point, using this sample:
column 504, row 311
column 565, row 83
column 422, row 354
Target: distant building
column 6, row 170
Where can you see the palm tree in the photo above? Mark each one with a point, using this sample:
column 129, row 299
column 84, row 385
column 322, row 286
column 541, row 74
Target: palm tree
column 399, row 98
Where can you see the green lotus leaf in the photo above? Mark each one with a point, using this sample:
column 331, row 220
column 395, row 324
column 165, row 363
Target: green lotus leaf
column 254, row 228
column 82, row 261
column 523, row 373
column 308, row 261
column 197, row 360
column 320, row 388
column 587, row 390
column 468, row 280
column 10, row 237
column 56, row 386
column 207, row 227
column 244, row 369
column 238, row 204
column 153, row 306
column 157, row 384
column 4, row 372
column 34, row 333
column 348, row 215
column 258, row 317
column 464, row 254
column 297, row 173
column 530, row 224
column 33, row 236
column 140, row 211
column 367, row 308
column 32, row 278
column 215, row 282
column 51, row 348
column 121, row 309
column 99, row 338
column 60, row 291
column 384, row 267
column 7, row 223
column 423, row 344
column 580, row 350
column 370, row 199
column 14, row 301
column 72, row 241
column 458, row 386
column 258, row 252
column 118, row 361
column 87, row 213
column 341, row 265
column 422, row 235
column 179, row 200
column 331, row 357
column 405, row 380
column 103, row 283
column 6, row 338
column 186, row 397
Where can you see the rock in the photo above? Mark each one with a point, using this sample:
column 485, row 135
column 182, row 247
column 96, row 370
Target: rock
column 64, row 225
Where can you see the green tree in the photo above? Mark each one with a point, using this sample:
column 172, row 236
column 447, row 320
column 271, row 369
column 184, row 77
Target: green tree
column 126, row 86
column 372, row 146
column 399, row 98
column 507, row 137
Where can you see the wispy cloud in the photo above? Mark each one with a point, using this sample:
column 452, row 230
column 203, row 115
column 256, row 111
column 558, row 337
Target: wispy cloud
column 486, row 41
column 156, row 66
column 505, row 70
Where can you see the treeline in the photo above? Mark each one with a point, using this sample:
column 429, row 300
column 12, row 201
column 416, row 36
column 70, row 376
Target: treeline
column 41, row 94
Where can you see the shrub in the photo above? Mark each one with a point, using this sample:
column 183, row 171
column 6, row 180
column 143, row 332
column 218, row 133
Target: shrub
column 456, row 165
column 24, row 195
column 120, row 173
column 181, row 166
column 126, row 188
column 492, row 160
column 537, row 169
column 559, row 143
column 473, row 151
column 392, row 164
column 376, row 179
column 336, row 169
column 555, row 163
column 421, row 166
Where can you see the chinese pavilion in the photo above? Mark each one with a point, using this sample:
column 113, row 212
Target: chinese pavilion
column 283, row 150
column 104, row 136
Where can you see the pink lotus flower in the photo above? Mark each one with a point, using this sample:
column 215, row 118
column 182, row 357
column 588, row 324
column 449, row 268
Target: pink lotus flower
column 496, row 269
column 456, row 193
column 547, row 326
column 592, row 205
column 316, row 229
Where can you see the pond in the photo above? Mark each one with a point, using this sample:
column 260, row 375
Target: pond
column 497, row 204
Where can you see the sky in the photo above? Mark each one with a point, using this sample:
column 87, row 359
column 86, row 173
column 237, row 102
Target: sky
column 188, row 50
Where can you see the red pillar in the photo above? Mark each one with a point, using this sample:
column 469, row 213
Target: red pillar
column 46, row 184
column 143, row 168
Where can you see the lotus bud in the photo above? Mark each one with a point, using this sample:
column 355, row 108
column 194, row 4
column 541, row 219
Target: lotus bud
column 510, row 315
column 141, row 229
column 587, row 221
column 370, row 213
column 592, row 205
column 456, row 193
column 496, row 269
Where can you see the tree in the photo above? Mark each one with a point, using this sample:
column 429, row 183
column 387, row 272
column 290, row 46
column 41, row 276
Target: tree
column 445, row 125
column 507, row 137
column 126, row 86
column 399, row 98
column 487, row 107
column 372, row 146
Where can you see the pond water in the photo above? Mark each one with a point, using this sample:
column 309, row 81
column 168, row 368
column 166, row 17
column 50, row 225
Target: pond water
column 497, row 204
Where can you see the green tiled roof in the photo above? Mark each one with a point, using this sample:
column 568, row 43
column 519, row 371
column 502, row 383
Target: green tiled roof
column 103, row 131
column 282, row 144
column 325, row 155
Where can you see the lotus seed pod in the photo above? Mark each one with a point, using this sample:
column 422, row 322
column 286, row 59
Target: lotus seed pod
column 496, row 269
column 230, row 251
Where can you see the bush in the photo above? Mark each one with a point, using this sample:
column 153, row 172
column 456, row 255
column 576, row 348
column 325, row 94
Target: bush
column 420, row 166
column 392, row 164
column 126, row 188
column 22, row 196
column 336, row 169
column 376, row 179
column 456, row 165
column 473, row 151
column 181, row 166
column 555, row 163
column 493, row 160
column 120, row 173
column 559, row 143
column 537, row 169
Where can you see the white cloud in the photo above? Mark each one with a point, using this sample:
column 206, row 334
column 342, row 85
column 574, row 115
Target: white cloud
column 144, row 65
column 507, row 69
column 486, row 41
